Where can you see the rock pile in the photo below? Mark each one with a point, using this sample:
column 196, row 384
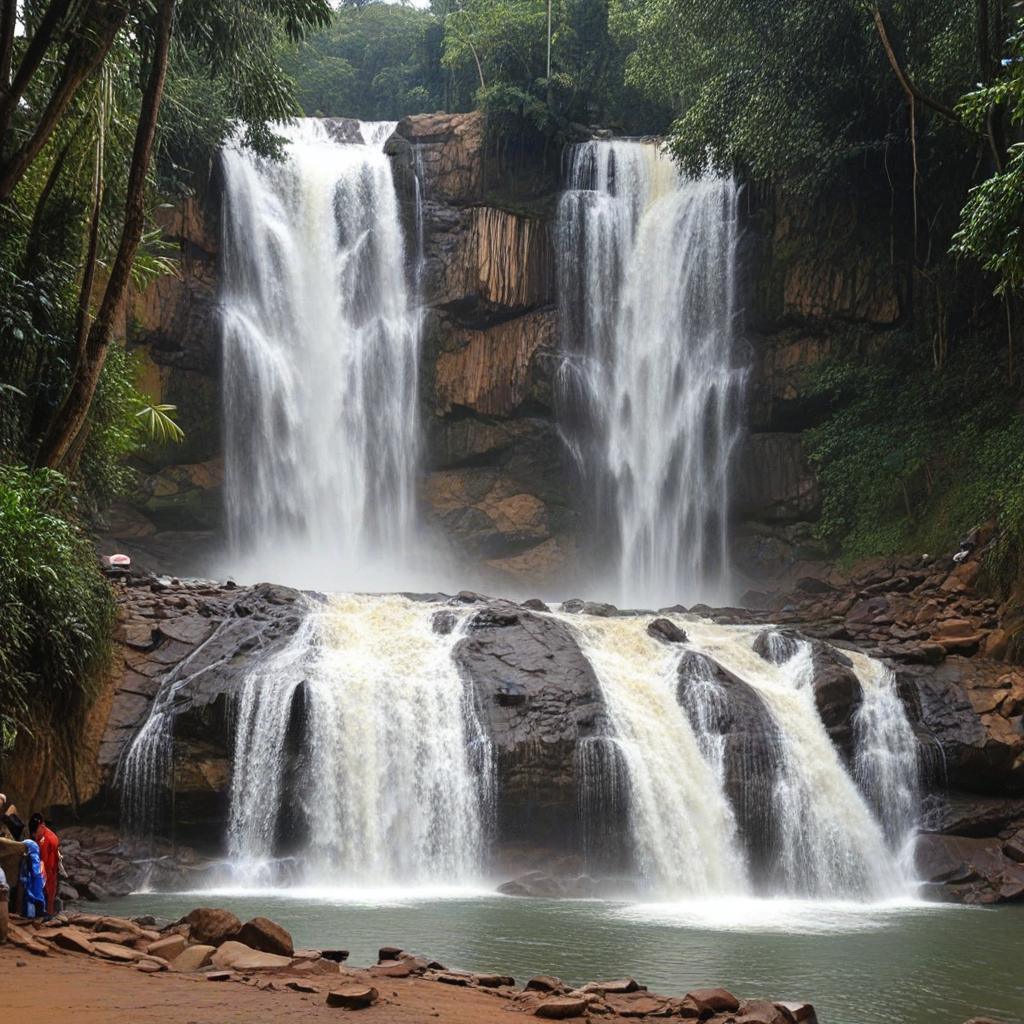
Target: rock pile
column 213, row 943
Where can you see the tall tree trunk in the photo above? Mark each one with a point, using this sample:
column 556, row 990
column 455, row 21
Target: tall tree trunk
column 87, row 53
column 12, row 89
column 75, row 409
column 8, row 26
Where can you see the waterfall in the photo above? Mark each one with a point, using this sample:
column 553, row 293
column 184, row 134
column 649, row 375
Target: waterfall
column 392, row 769
column 650, row 390
column 670, row 713
column 320, row 353
column 683, row 829
column 886, row 762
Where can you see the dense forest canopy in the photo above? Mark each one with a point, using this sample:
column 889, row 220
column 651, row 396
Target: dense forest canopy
column 913, row 110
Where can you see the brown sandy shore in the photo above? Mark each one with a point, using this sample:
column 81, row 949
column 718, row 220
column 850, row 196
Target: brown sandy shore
column 211, row 969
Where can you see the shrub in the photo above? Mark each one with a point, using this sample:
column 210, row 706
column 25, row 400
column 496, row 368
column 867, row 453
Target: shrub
column 56, row 610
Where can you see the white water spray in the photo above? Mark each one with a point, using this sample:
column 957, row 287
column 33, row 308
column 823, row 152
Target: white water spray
column 321, row 337
column 651, row 391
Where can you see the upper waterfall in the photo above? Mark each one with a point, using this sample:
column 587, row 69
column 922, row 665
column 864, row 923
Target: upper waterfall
column 650, row 388
column 320, row 363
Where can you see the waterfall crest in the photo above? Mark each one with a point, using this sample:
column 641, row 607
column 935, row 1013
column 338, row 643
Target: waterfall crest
column 390, row 772
column 649, row 386
column 320, row 336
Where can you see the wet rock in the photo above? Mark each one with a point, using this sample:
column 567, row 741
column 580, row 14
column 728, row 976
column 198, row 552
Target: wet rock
column 666, row 631
column 775, row 646
column 561, row 1008
column 452, row 978
column 837, row 693
column 337, row 956
column 211, row 926
column 266, row 935
column 443, row 622
column 537, row 697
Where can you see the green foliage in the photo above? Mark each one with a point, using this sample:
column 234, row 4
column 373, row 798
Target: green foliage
column 992, row 221
column 56, row 610
column 910, row 459
column 376, row 62
column 797, row 93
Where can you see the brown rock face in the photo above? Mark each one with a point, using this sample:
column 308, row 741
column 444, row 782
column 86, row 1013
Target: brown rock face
column 449, row 147
column 490, row 371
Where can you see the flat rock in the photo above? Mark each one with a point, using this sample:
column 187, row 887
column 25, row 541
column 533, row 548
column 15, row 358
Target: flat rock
column 561, row 1008
column 193, row 958
column 114, row 951
column 619, row 986
column 220, row 976
column 302, row 986
column 352, row 997
column 72, row 940
column 239, row 957
column 493, row 980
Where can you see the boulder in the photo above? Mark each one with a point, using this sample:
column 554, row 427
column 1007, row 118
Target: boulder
column 837, row 693
column 666, row 631
column 562, row 1008
column 193, row 958
column 537, row 698
column 211, row 926
column 713, row 1000
column 169, row 947
column 352, row 997
column 266, row 935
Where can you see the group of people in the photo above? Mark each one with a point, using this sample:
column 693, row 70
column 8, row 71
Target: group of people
column 29, row 863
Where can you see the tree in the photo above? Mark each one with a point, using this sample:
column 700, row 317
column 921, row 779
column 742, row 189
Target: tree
column 212, row 36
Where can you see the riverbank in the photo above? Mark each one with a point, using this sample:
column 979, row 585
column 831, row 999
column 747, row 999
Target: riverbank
column 212, row 968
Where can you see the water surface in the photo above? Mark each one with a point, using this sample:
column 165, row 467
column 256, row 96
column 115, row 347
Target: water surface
column 898, row 963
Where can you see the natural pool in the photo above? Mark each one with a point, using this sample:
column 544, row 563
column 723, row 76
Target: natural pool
column 905, row 963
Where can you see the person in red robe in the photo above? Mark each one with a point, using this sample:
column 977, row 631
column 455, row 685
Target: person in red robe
column 49, row 854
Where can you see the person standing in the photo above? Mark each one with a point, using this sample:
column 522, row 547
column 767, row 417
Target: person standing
column 32, row 881
column 49, row 854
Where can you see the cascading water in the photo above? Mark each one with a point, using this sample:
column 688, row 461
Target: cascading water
column 827, row 838
column 393, row 775
column 321, row 336
column 650, row 387
column 683, row 830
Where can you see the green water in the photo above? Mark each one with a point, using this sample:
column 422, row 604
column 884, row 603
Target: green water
column 900, row 964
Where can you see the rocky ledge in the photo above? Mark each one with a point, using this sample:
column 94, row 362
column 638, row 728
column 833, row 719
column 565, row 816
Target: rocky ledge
column 214, row 944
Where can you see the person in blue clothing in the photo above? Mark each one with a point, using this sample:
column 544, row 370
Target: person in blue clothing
column 32, row 881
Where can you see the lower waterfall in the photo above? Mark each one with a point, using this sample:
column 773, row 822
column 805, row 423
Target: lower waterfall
column 391, row 769
column 828, row 837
